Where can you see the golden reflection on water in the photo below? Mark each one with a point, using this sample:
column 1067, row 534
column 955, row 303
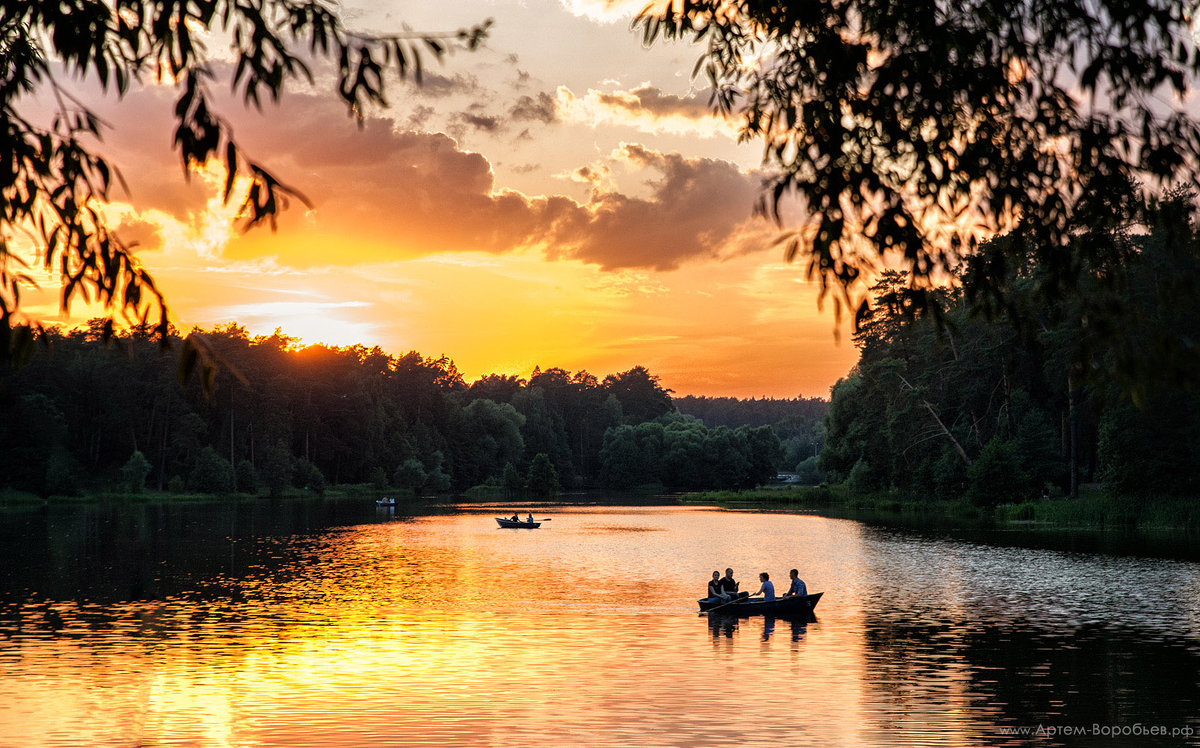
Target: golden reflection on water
column 444, row 630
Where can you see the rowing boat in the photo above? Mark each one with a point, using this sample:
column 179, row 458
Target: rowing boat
column 780, row 606
column 510, row 523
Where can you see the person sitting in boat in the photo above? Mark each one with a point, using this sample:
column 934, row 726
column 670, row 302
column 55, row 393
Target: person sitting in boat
column 516, row 518
column 798, row 587
column 767, row 590
column 714, row 587
column 530, row 519
column 729, row 587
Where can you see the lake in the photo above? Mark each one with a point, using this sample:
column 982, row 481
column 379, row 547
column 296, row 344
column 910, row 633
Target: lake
column 320, row 623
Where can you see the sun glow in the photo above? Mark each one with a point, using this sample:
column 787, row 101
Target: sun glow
column 310, row 322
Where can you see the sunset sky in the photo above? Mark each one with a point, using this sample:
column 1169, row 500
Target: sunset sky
column 561, row 197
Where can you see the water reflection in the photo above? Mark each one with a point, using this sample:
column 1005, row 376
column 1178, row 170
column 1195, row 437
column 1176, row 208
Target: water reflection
column 725, row 626
column 1028, row 638
column 290, row 625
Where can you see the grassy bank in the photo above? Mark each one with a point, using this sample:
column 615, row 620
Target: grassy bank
column 1098, row 509
column 1093, row 509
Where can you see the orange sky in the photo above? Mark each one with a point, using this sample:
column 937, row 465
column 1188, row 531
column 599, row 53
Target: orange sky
column 562, row 197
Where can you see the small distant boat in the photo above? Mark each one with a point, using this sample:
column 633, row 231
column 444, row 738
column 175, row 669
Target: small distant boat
column 519, row 524
column 385, row 501
column 780, row 606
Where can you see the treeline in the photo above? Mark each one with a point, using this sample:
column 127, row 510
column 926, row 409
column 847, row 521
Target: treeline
column 766, row 411
column 90, row 415
column 1027, row 400
column 798, row 422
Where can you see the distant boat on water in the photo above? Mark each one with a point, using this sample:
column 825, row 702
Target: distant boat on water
column 517, row 524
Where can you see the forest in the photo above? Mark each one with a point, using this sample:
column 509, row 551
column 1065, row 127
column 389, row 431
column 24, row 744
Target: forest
column 96, row 411
column 1009, row 387
column 1010, row 402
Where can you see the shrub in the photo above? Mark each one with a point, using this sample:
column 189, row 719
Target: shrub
column 808, row 473
column 63, row 474
column 998, row 475
column 379, row 478
column 861, row 481
column 410, row 476
column 247, row 477
column 543, row 478
column 275, row 468
column 211, row 473
column 134, row 472
column 310, row 477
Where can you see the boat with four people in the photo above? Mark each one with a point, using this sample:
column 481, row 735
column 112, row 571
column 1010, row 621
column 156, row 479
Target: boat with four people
column 797, row 605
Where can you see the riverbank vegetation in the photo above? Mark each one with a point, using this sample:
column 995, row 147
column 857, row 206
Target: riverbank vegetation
column 1004, row 412
column 1012, row 407
column 88, row 418
column 1094, row 508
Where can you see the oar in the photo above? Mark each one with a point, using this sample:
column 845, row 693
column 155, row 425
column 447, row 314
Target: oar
column 722, row 605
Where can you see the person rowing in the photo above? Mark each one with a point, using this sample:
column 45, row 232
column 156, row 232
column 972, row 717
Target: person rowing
column 766, row 589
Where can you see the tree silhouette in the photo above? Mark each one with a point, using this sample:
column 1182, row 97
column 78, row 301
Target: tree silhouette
column 641, row 396
column 52, row 182
column 914, row 129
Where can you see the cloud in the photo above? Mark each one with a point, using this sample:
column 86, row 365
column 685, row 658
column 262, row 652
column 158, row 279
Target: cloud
column 697, row 209
column 436, row 86
column 599, row 176
column 140, row 233
column 604, row 11
column 540, row 108
column 647, row 98
column 382, row 193
column 419, row 118
column 645, row 108
column 484, row 122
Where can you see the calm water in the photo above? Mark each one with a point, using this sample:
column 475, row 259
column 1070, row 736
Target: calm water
column 306, row 624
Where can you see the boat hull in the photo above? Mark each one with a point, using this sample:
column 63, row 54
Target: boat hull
column 780, row 606
column 508, row 523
